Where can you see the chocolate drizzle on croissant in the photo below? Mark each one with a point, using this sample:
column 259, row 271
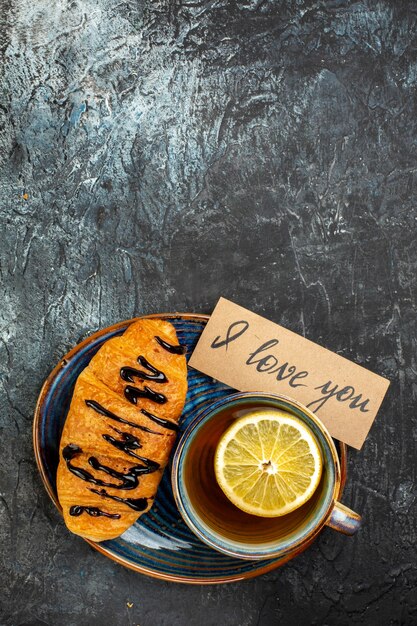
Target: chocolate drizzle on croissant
column 129, row 479
column 171, row 348
column 160, row 420
column 77, row 510
column 128, row 373
column 103, row 411
column 133, row 394
column 125, row 442
column 137, row 504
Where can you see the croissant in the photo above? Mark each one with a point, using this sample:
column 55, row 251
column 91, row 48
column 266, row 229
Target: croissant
column 120, row 429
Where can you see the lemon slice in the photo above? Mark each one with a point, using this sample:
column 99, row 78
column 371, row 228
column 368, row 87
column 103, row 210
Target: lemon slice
column 268, row 463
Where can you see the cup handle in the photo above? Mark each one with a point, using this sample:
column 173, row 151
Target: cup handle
column 344, row 519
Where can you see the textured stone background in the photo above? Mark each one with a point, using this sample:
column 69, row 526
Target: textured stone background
column 172, row 152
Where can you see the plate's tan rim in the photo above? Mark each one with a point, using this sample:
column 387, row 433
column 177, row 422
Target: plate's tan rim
column 138, row 568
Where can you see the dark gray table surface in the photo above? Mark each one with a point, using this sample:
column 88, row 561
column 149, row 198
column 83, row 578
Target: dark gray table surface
column 156, row 155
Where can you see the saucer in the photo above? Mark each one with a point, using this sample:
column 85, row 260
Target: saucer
column 159, row 543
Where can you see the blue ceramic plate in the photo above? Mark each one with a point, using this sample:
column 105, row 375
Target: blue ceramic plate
column 159, row 544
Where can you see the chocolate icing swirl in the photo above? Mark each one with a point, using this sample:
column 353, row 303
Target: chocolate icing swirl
column 76, row 510
column 173, row 349
column 128, row 373
column 133, row 394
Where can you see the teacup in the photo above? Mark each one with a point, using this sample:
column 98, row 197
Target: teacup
column 217, row 522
